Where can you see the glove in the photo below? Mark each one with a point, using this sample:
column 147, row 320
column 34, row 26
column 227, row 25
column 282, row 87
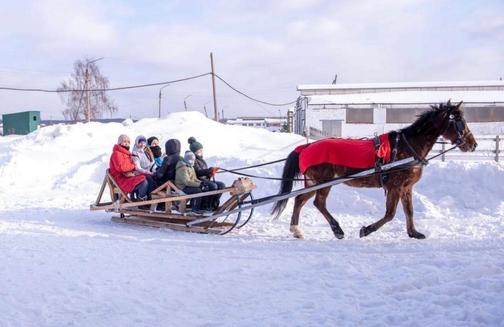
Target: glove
column 204, row 187
column 213, row 171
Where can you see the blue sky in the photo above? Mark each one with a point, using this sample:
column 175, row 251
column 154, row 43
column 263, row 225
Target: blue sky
column 265, row 48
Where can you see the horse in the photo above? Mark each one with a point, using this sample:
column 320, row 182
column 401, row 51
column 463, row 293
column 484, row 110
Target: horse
column 416, row 141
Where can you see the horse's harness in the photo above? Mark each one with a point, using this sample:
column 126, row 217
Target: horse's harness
column 459, row 125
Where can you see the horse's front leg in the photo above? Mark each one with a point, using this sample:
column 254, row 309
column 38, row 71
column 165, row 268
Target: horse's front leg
column 392, row 201
column 320, row 204
column 299, row 202
column 407, row 203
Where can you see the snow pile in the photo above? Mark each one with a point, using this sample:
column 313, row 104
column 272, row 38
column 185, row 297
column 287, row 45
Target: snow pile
column 64, row 265
column 63, row 165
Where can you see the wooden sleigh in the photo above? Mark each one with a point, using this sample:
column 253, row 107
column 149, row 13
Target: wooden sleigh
column 176, row 213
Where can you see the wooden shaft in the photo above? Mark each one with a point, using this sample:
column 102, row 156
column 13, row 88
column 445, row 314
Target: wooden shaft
column 364, row 173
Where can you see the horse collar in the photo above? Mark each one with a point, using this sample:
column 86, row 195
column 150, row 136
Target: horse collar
column 412, row 151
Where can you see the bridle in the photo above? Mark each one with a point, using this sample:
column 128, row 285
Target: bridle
column 459, row 125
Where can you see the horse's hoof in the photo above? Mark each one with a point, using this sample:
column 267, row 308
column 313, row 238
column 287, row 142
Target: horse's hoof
column 339, row 236
column 363, row 232
column 416, row 235
column 296, row 232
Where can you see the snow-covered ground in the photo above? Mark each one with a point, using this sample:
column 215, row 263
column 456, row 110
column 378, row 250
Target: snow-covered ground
column 62, row 265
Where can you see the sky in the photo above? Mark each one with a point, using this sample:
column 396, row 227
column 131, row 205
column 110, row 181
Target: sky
column 263, row 48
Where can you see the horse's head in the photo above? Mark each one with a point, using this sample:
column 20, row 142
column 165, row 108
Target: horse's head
column 456, row 129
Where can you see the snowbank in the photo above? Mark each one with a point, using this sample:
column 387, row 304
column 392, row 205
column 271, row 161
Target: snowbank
column 63, row 165
column 64, row 265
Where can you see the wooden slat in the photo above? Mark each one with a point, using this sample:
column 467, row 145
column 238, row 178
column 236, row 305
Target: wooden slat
column 225, row 204
column 111, row 187
column 124, row 195
column 209, row 224
column 174, row 198
column 167, row 186
column 102, row 189
column 160, row 224
column 161, row 187
column 187, row 217
column 100, row 206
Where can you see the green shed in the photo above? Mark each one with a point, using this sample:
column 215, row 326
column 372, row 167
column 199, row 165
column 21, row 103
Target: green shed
column 20, row 123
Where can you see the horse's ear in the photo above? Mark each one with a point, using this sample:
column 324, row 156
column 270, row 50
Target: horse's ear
column 459, row 104
column 448, row 103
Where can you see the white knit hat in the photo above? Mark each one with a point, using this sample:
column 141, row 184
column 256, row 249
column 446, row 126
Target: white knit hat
column 189, row 158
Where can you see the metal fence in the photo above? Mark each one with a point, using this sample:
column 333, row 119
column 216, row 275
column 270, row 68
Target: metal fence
column 489, row 148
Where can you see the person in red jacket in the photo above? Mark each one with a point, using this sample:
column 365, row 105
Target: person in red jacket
column 122, row 169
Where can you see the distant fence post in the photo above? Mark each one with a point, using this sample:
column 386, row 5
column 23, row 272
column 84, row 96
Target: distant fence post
column 497, row 141
column 443, row 151
column 290, row 121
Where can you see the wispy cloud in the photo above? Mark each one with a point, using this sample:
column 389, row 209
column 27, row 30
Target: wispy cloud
column 263, row 47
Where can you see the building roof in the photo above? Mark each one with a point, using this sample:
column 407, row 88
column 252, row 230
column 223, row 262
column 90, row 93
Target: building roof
column 498, row 84
column 409, row 97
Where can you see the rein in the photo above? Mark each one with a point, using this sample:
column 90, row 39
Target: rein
column 263, row 177
column 250, row 167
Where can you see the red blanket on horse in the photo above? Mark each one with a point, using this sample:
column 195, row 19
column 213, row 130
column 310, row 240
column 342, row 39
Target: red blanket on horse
column 343, row 152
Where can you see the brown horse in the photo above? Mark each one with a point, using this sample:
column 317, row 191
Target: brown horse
column 416, row 140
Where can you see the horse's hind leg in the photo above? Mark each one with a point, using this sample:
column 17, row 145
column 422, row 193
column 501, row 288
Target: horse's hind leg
column 407, row 203
column 392, row 201
column 320, row 203
column 299, row 202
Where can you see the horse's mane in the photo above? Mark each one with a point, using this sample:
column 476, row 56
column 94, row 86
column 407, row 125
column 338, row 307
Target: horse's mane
column 425, row 119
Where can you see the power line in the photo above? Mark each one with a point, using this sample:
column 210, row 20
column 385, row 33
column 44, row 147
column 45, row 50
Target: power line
column 4, row 88
column 100, row 90
column 254, row 99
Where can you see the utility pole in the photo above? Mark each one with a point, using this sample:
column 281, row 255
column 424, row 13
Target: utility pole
column 185, row 103
column 86, row 87
column 159, row 110
column 88, row 104
column 216, row 112
column 335, row 79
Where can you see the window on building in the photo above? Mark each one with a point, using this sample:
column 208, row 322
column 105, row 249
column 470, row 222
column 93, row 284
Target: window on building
column 403, row 115
column 484, row 114
column 359, row 116
column 331, row 128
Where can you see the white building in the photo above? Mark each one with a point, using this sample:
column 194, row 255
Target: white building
column 352, row 110
column 274, row 124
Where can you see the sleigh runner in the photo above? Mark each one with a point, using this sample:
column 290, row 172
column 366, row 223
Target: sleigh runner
column 168, row 207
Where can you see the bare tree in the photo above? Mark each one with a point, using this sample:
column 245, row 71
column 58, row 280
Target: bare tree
column 84, row 97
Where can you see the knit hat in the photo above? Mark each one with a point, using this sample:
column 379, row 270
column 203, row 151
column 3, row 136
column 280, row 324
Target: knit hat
column 194, row 145
column 140, row 139
column 122, row 138
column 189, row 158
column 151, row 139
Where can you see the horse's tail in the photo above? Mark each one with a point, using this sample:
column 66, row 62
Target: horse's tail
column 290, row 172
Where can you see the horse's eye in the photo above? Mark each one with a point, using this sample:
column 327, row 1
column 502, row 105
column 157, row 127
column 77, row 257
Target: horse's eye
column 452, row 116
